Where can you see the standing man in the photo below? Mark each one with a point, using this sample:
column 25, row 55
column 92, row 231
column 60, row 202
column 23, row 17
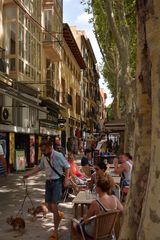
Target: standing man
column 3, row 165
column 125, row 169
column 53, row 187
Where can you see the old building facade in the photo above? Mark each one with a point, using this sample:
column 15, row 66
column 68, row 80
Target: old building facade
column 90, row 83
column 46, row 78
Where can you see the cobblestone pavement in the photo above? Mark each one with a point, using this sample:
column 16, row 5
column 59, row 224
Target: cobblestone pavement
column 12, row 192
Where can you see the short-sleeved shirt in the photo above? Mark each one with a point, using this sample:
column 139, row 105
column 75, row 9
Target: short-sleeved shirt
column 58, row 161
column 1, row 150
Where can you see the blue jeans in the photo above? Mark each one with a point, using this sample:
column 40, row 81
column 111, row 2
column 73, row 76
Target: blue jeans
column 53, row 191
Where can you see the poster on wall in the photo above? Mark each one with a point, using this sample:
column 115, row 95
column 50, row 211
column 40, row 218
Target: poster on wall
column 3, row 144
column 20, row 160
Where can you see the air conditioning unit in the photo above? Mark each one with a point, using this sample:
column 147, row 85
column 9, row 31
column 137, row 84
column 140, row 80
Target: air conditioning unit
column 6, row 115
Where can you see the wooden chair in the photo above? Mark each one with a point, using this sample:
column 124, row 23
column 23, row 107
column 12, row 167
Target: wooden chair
column 104, row 225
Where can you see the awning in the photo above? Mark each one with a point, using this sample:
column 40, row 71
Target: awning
column 52, row 104
column 114, row 126
column 20, row 92
column 22, row 98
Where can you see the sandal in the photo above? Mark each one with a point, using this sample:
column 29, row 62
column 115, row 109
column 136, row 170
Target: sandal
column 54, row 236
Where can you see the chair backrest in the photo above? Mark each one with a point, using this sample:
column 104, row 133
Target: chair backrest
column 104, row 224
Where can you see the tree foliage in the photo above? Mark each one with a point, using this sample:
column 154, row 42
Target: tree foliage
column 114, row 23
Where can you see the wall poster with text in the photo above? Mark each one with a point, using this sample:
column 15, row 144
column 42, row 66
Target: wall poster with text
column 20, row 160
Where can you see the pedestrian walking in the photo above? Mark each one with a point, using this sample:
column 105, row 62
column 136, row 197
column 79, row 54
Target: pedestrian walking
column 53, row 163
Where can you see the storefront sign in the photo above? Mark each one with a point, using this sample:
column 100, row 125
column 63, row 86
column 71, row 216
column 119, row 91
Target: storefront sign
column 20, row 160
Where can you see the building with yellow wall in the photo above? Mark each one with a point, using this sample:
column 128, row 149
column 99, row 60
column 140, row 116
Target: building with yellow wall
column 90, row 84
column 72, row 67
column 47, row 74
column 31, row 40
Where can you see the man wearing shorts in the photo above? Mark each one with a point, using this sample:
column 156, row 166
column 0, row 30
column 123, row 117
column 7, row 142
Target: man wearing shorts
column 53, row 187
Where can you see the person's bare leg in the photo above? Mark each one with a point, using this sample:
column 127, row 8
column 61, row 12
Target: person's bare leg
column 54, row 209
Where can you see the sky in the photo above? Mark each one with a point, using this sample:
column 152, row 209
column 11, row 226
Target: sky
column 74, row 15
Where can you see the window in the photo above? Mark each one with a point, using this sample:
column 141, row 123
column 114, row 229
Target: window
column 48, row 23
column 21, row 66
column 10, row 13
column 12, row 64
column 29, row 48
column 50, row 71
column 10, row 37
column 78, row 104
column 18, row 25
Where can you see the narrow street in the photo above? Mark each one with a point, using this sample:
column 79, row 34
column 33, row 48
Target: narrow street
column 12, row 192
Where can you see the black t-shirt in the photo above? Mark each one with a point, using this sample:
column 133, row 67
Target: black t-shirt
column 84, row 161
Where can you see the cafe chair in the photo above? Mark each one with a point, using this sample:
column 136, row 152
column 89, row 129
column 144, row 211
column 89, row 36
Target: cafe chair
column 104, row 225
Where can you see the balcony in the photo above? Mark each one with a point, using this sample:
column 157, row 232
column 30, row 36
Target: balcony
column 66, row 99
column 52, row 93
column 52, row 47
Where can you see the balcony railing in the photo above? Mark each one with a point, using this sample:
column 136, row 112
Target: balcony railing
column 52, row 93
column 66, row 99
column 51, row 45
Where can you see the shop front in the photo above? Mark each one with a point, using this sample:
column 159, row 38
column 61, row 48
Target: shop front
column 20, row 149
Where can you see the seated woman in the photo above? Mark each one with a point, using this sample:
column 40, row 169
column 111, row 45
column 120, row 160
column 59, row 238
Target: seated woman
column 100, row 168
column 86, row 162
column 105, row 203
column 75, row 174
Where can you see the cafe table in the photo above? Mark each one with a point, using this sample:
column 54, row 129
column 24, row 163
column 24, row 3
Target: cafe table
column 83, row 198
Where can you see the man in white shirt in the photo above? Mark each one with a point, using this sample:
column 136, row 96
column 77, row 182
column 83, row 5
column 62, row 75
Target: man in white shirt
column 3, row 165
column 125, row 169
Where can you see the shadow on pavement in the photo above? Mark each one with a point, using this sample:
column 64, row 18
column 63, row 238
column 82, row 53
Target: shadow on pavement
column 12, row 192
